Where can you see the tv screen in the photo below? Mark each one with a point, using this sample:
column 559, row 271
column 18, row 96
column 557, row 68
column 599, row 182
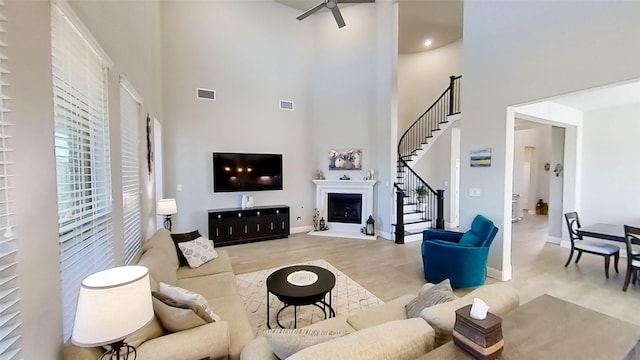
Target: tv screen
column 246, row 172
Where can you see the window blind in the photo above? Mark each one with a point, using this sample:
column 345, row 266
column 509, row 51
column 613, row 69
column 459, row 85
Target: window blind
column 82, row 155
column 129, row 117
column 10, row 325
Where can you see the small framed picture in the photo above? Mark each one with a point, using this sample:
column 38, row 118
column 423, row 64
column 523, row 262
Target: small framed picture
column 481, row 157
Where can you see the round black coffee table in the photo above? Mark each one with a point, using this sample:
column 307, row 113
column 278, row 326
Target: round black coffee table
column 295, row 295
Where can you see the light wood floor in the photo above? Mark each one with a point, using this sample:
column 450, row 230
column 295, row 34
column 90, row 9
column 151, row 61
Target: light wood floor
column 389, row 270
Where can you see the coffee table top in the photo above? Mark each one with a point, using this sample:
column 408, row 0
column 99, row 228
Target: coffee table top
column 551, row 328
column 278, row 285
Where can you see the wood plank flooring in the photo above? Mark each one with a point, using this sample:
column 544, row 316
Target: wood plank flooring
column 389, row 270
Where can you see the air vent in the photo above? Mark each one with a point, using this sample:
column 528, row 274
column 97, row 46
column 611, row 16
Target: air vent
column 286, row 105
column 206, row 94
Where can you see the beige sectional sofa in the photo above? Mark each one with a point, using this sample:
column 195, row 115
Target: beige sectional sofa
column 384, row 332
column 215, row 281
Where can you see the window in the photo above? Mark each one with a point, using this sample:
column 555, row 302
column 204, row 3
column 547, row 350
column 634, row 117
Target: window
column 129, row 117
column 82, row 154
column 9, row 295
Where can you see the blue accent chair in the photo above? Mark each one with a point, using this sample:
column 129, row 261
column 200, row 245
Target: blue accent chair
column 459, row 257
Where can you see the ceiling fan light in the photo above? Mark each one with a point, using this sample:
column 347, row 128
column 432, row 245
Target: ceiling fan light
column 427, row 42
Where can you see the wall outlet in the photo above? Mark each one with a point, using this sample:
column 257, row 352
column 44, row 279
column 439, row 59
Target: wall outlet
column 475, row 192
column 179, row 187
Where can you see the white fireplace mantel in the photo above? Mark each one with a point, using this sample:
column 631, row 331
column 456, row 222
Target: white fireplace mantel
column 363, row 187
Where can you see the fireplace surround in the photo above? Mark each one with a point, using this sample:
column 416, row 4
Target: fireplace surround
column 348, row 191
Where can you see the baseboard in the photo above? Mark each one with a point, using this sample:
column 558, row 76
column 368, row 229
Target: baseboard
column 565, row 244
column 300, row 229
column 385, row 235
column 554, row 240
column 451, row 225
column 498, row 274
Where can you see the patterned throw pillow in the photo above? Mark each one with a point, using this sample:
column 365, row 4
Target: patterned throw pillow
column 194, row 300
column 198, row 251
column 178, row 238
column 286, row 342
column 174, row 316
column 439, row 293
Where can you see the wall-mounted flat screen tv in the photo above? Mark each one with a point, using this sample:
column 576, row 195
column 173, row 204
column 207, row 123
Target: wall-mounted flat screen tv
column 246, row 172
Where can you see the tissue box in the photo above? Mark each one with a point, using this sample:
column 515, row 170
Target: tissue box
column 480, row 338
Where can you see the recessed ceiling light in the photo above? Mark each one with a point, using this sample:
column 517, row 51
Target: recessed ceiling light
column 427, row 43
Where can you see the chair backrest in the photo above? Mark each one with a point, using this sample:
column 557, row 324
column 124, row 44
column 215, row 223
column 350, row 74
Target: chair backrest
column 573, row 223
column 632, row 235
column 485, row 229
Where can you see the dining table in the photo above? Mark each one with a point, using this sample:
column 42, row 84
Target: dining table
column 603, row 231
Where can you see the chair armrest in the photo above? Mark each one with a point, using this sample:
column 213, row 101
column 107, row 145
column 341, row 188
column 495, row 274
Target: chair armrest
column 446, row 235
column 207, row 341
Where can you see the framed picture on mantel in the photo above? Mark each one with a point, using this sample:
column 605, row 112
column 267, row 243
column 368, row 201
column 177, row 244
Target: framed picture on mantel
column 350, row 159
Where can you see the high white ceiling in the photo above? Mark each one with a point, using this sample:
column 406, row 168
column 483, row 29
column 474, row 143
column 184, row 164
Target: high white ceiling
column 601, row 98
column 438, row 20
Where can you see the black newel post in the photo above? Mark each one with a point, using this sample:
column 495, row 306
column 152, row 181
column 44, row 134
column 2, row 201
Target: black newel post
column 399, row 217
column 440, row 216
column 452, row 84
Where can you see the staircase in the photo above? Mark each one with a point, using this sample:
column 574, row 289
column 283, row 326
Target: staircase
column 418, row 205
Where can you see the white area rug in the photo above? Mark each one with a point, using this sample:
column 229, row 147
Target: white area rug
column 348, row 297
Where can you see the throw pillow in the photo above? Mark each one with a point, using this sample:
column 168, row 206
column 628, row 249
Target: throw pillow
column 469, row 238
column 198, row 251
column 183, row 296
column 175, row 318
column 439, row 293
column 178, row 238
column 286, row 342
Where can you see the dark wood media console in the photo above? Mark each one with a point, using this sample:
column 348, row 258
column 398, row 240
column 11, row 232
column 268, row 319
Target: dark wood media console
column 236, row 225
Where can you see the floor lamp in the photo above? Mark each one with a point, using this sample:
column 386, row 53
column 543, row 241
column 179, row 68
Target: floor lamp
column 167, row 207
column 112, row 305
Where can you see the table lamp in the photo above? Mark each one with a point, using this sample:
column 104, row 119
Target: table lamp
column 167, row 207
column 113, row 304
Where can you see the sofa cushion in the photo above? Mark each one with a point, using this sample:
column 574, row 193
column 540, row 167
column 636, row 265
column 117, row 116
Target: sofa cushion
column 440, row 293
column 500, row 297
column 178, row 238
column 231, row 309
column 212, row 286
column 198, row 251
column 155, row 260
column 389, row 311
column 286, row 342
column 217, row 266
column 195, row 301
column 338, row 323
column 161, row 240
column 398, row 340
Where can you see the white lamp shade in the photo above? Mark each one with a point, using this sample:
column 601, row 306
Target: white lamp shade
column 166, row 207
column 112, row 304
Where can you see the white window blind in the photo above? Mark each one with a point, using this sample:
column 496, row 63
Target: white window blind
column 10, row 325
column 82, row 159
column 129, row 117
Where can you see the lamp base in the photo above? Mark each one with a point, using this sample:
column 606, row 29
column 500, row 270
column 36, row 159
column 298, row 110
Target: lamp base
column 120, row 351
column 167, row 222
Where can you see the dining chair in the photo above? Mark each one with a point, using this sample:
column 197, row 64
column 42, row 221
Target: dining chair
column 590, row 247
column 632, row 235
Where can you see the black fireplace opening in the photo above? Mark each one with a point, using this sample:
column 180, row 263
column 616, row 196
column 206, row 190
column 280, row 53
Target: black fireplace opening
column 344, row 208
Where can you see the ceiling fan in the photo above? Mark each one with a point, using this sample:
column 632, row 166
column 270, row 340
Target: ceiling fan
column 333, row 6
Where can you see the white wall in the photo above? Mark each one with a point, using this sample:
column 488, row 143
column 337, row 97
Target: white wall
column 556, row 183
column 422, row 78
column 540, row 139
column 341, row 81
column 510, row 58
column 129, row 34
column 611, row 169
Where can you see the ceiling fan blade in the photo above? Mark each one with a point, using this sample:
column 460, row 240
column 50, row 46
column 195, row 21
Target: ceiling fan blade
column 355, row 1
column 310, row 11
column 338, row 16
